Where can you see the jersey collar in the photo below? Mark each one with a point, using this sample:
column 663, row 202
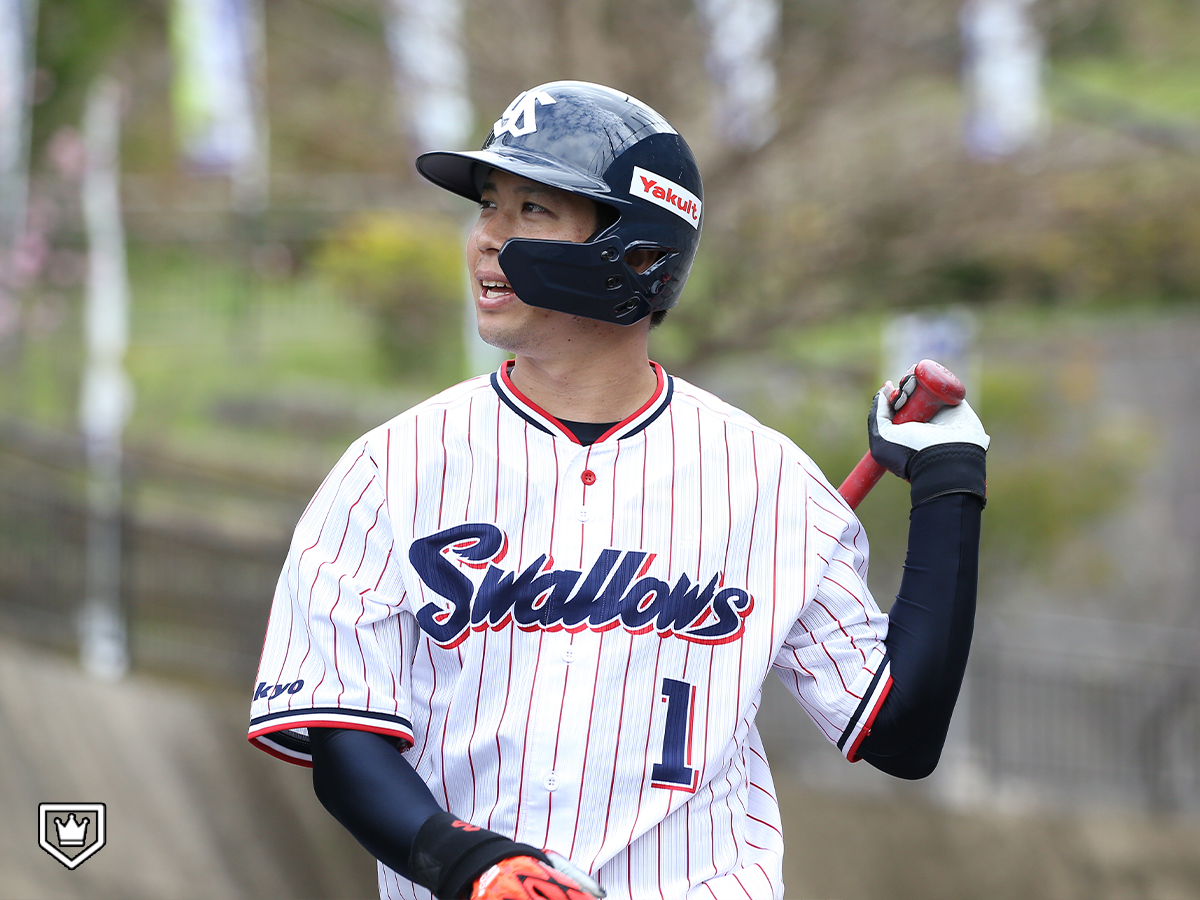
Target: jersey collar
column 543, row 421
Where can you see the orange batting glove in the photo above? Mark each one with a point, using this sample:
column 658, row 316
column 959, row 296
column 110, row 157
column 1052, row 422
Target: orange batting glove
column 525, row 878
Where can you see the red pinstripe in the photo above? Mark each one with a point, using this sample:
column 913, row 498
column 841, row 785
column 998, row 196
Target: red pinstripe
column 445, row 467
column 612, row 521
column 554, row 501
column 645, row 766
column 475, row 722
column 671, row 527
column 299, row 562
column 333, row 609
column 838, row 622
column 587, row 743
column 525, row 744
column 645, row 460
column 775, row 543
column 357, row 637
column 700, row 491
column 764, row 822
column 500, row 725
column 433, row 672
column 712, row 821
column 471, row 456
column 836, row 540
column 837, row 669
column 687, row 820
column 525, row 511
column 616, row 751
column 562, row 705
column 496, row 506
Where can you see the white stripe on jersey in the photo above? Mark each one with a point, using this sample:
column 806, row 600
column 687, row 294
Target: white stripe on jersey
column 572, row 639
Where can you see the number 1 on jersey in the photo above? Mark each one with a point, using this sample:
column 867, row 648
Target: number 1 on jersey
column 674, row 773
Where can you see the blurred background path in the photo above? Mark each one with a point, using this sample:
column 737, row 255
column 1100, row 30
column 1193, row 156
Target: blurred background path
column 193, row 810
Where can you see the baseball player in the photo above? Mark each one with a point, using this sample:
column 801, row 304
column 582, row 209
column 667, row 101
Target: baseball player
column 522, row 630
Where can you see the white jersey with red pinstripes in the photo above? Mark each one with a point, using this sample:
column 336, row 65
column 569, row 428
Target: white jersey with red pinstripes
column 572, row 639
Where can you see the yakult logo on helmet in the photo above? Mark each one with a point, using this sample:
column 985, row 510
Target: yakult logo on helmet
column 521, row 116
column 667, row 194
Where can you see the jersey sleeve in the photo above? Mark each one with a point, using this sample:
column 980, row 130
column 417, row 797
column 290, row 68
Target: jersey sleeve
column 834, row 660
column 340, row 638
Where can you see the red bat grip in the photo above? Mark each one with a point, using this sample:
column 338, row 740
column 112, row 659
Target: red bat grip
column 935, row 386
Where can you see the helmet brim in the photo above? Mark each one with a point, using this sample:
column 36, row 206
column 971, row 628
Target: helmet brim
column 463, row 172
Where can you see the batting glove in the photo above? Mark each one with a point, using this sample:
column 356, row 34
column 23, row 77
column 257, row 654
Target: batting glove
column 526, row 878
column 945, row 455
column 449, row 855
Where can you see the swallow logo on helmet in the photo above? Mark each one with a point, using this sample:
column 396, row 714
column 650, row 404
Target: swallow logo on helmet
column 521, row 116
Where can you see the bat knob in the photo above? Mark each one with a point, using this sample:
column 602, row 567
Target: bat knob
column 925, row 389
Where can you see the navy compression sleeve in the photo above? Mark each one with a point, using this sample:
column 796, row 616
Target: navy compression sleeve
column 929, row 636
column 372, row 790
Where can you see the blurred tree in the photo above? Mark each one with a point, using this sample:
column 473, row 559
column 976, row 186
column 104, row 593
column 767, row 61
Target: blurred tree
column 862, row 198
column 79, row 39
column 408, row 273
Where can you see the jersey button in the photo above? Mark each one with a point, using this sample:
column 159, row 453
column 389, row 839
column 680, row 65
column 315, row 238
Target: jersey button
column 584, row 515
column 551, row 782
column 569, row 655
column 588, row 477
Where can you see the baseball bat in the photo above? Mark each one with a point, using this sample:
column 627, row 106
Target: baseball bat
column 925, row 388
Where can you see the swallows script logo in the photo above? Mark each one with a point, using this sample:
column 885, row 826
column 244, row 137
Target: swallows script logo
column 616, row 590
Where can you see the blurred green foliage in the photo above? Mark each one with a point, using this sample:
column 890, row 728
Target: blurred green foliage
column 407, row 273
column 1055, row 465
column 80, row 39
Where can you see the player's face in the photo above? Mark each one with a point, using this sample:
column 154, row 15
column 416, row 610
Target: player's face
column 512, row 206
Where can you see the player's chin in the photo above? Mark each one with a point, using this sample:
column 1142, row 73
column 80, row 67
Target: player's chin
column 500, row 334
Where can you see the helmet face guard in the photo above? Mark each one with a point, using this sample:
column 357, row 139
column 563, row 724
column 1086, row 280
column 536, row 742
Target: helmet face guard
column 599, row 143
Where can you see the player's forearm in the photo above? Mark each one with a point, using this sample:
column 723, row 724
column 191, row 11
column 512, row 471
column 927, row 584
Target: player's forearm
column 370, row 788
column 929, row 636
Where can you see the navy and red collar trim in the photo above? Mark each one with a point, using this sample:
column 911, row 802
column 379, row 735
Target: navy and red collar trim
column 543, row 421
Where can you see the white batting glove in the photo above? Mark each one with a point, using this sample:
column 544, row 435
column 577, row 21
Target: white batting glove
column 945, row 454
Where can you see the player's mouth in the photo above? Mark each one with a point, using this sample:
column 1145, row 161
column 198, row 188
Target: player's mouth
column 494, row 293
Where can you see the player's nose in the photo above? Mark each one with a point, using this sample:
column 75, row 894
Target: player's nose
column 490, row 233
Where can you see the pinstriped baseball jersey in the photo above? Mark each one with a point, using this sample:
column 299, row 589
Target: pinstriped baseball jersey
column 571, row 640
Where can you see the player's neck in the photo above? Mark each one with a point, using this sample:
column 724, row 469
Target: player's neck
column 587, row 388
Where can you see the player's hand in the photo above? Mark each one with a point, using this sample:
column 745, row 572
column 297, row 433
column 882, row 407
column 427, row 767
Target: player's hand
column 946, row 455
column 895, row 446
column 526, row 878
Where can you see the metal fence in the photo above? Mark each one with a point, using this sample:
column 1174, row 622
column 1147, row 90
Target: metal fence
column 1073, row 707
column 194, row 591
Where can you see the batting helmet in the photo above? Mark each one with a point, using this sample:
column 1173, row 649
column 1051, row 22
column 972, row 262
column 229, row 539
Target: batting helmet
column 594, row 142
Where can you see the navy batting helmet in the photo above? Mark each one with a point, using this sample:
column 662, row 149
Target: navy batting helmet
column 594, row 142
